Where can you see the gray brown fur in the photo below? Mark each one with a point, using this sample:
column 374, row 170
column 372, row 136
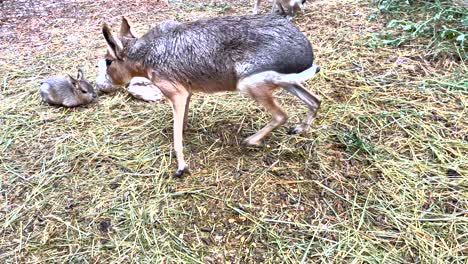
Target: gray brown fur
column 67, row 91
column 220, row 51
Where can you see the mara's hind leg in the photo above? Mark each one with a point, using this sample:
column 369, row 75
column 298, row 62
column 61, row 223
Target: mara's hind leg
column 311, row 100
column 262, row 93
column 277, row 7
column 304, row 125
column 255, row 9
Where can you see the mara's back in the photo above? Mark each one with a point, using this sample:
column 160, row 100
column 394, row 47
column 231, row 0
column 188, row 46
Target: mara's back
column 222, row 50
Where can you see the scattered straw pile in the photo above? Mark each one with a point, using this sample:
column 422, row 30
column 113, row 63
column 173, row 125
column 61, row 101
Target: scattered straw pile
column 380, row 177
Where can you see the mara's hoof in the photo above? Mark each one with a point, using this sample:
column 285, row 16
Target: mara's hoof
column 180, row 172
column 251, row 143
column 297, row 129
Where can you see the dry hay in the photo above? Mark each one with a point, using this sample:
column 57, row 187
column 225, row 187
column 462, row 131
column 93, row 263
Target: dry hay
column 379, row 177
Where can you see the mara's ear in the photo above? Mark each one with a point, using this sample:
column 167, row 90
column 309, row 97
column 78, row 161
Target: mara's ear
column 73, row 81
column 80, row 75
column 125, row 29
column 114, row 44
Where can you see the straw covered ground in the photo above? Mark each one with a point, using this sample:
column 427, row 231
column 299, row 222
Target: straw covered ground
column 380, row 177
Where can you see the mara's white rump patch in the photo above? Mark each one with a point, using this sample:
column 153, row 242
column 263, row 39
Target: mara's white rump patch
column 276, row 78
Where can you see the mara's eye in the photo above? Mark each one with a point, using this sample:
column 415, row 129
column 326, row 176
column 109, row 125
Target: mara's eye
column 84, row 91
column 108, row 62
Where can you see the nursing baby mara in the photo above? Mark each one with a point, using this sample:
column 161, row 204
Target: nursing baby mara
column 289, row 8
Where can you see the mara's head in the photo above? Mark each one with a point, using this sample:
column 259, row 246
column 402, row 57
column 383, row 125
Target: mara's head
column 116, row 68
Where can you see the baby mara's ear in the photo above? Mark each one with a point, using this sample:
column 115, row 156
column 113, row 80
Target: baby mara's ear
column 80, row 75
column 75, row 82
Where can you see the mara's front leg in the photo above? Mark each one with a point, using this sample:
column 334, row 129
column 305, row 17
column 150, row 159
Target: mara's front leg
column 178, row 106
column 179, row 97
column 255, row 8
